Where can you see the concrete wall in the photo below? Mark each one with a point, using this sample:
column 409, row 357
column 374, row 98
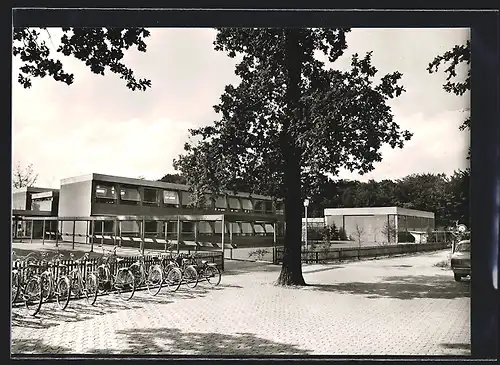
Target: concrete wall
column 75, row 201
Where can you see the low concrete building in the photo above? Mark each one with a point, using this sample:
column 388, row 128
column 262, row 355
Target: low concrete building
column 381, row 224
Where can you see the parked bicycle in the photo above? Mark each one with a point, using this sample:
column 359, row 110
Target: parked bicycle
column 171, row 273
column 17, row 278
column 207, row 270
column 114, row 277
column 189, row 273
column 28, row 284
column 153, row 279
column 83, row 280
column 54, row 281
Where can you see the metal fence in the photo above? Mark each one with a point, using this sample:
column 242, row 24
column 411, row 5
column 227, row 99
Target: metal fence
column 346, row 253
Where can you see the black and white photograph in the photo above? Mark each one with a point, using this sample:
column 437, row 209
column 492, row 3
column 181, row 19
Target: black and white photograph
column 241, row 191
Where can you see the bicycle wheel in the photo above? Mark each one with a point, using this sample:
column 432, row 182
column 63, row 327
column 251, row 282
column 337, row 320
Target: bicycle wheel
column 76, row 286
column 33, row 296
column 15, row 285
column 173, row 278
column 63, row 292
column 154, row 280
column 125, row 284
column 103, row 279
column 191, row 276
column 91, row 287
column 138, row 272
column 212, row 274
column 47, row 283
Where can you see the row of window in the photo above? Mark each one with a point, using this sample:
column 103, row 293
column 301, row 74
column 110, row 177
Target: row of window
column 155, row 227
column 170, row 198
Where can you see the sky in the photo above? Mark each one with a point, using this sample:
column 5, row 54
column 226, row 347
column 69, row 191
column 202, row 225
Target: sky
column 97, row 125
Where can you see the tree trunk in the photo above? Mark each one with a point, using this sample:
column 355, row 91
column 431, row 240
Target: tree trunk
column 291, row 269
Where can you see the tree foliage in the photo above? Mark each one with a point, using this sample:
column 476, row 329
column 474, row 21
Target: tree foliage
column 290, row 121
column 453, row 58
column 174, row 179
column 100, row 49
column 23, row 177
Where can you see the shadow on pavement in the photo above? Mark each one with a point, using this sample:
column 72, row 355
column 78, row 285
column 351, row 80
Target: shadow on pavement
column 37, row 346
column 322, row 269
column 174, row 341
column 79, row 310
column 403, row 287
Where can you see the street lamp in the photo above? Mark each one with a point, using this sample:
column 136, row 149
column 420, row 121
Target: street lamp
column 306, row 204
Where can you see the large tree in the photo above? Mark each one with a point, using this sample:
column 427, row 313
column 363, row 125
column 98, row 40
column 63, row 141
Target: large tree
column 458, row 55
column 290, row 121
column 100, row 49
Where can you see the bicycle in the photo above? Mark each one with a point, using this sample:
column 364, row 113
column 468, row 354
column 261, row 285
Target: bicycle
column 122, row 280
column 171, row 273
column 55, row 284
column 17, row 279
column 29, row 284
column 208, row 271
column 154, row 278
column 189, row 273
column 83, row 284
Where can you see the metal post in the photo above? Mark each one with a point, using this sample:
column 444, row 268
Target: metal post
column 178, row 232
column 165, row 226
column 222, row 239
column 274, row 243
column 120, row 233
column 62, row 240
column 43, row 231
column 31, row 232
column 87, row 233
column 74, row 225
column 102, row 233
column 115, row 228
column 231, row 240
column 92, row 237
column 143, row 225
column 195, row 232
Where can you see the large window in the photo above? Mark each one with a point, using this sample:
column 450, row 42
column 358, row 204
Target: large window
column 187, row 227
column 151, row 197
column 234, row 204
column 130, row 195
column 171, row 198
column 186, row 198
column 220, row 203
column 268, row 207
column 258, row 206
column 150, row 228
column 104, row 227
column 105, row 193
column 246, row 204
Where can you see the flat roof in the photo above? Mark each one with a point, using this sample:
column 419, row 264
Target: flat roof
column 147, row 183
column 32, row 189
column 45, row 194
column 378, row 211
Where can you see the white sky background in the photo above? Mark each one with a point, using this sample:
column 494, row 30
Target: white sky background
column 98, row 125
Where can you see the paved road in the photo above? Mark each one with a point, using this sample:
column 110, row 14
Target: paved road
column 402, row 305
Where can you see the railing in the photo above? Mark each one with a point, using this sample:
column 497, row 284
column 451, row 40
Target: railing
column 349, row 253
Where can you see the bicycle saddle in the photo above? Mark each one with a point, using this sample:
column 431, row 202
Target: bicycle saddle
column 119, row 259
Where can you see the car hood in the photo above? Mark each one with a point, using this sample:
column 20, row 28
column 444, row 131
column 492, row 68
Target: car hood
column 461, row 255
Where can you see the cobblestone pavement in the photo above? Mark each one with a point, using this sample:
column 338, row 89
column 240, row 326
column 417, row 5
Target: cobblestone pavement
column 391, row 306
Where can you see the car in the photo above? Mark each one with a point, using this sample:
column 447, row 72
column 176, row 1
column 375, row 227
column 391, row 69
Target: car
column 460, row 260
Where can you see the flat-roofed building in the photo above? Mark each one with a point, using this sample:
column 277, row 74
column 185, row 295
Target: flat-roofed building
column 97, row 195
column 379, row 224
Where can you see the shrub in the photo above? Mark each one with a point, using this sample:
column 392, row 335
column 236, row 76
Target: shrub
column 258, row 254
